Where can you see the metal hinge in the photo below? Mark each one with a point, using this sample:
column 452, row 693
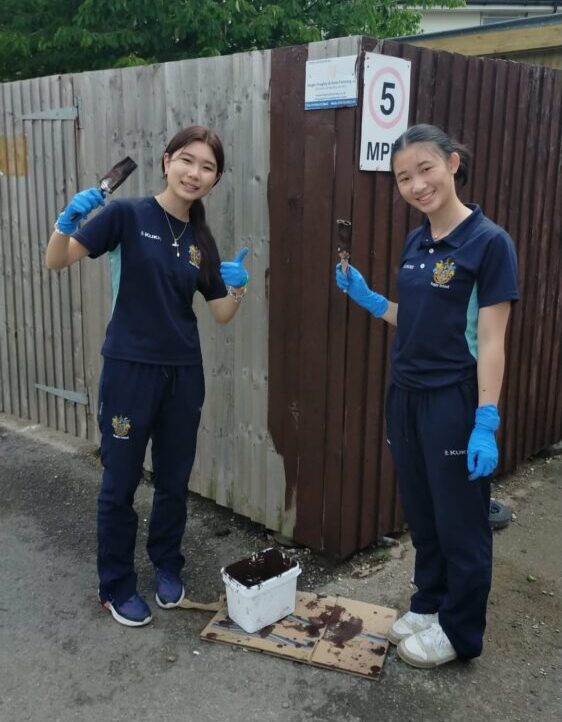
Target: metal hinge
column 73, row 396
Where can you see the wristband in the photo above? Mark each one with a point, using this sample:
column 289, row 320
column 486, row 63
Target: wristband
column 58, row 230
column 237, row 295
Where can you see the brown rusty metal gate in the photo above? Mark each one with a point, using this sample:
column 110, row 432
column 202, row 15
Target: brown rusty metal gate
column 328, row 361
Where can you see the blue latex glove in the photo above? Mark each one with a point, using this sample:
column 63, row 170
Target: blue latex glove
column 78, row 209
column 356, row 288
column 482, row 454
column 233, row 272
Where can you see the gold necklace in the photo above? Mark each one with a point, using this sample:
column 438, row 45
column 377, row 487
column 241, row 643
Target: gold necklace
column 175, row 243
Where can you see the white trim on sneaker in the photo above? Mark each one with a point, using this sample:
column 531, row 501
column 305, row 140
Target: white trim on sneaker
column 170, row 605
column 427, row 649
column 408, row 624
column 124, row 620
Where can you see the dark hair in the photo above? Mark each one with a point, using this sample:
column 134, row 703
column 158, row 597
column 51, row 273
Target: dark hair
column 424, row 133
column 210, row 259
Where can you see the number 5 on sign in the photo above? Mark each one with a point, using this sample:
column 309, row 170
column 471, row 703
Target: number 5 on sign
column 386, row 104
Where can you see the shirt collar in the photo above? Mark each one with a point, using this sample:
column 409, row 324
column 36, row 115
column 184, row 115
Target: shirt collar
column 457, row 236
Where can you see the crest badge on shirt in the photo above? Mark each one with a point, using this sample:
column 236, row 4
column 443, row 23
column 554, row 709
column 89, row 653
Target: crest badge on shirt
column 443, row 273
column 194, row 256
column 121, row 426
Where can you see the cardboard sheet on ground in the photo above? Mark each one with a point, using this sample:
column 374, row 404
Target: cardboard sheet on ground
column 332, row 632
column 205, row 607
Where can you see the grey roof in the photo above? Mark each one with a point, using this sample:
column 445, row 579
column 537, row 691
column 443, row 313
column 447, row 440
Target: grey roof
column 517, row 3
column 533, row 22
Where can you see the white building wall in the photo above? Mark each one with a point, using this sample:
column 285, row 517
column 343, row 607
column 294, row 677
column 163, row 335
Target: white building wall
column 437, row 20
column 443, row 20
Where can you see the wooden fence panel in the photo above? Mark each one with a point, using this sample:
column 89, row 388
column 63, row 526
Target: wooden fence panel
column 498, row 109
column 293, row 432
column 7, row 345
column 42, row 327
column 52, row 324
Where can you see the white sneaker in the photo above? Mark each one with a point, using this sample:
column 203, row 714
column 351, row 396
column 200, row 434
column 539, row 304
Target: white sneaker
column 428, row 648
column 409, row 624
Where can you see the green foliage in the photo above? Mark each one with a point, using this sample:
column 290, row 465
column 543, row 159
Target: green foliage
column 43, row 37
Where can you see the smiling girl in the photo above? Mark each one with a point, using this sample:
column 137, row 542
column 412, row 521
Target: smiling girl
column 161, row 252
column 457, row 279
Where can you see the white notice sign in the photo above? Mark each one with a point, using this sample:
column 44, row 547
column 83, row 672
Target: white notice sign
column 331, row 83
column 386, row 105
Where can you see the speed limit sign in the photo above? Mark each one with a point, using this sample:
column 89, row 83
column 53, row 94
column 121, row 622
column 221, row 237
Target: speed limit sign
column 386, row 102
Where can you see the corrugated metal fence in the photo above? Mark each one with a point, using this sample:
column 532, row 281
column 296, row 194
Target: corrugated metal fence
column 328, row 360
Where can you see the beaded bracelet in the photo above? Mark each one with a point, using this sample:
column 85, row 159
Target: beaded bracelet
column 236, row 295
column 58, row 230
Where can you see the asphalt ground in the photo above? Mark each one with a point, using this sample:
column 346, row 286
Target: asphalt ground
column 63, row 659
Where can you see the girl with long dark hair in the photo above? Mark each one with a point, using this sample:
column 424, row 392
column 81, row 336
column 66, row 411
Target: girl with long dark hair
column 456, row 283
column 161, row 252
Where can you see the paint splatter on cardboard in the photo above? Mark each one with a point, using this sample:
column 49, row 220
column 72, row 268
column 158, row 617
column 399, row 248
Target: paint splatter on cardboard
column 332, row 632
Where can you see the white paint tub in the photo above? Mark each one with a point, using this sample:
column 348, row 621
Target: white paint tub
column 261, row 589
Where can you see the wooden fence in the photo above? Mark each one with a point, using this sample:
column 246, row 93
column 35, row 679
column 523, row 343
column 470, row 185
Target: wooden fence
column 292, row 434
column 328, row 360
column 61, row 133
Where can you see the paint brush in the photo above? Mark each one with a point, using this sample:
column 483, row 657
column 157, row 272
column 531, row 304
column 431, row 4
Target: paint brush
column 113, row 178
column 117, row 175
column 344, row 242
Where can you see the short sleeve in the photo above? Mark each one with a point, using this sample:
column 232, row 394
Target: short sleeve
column 213, row 290
column 103, row 232
column 497, row 275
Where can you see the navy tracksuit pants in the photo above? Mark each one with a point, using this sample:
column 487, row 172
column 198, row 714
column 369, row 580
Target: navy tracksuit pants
column 137, row 402
column 428, row 432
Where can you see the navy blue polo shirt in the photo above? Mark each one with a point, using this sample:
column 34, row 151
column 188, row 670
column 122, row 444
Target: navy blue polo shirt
column 152, row 319
column 441, row 287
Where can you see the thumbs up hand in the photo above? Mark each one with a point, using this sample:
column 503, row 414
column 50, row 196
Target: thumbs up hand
column 233, row 272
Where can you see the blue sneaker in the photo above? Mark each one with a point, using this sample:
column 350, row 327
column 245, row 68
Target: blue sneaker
column 134, row 612
column 169, row 589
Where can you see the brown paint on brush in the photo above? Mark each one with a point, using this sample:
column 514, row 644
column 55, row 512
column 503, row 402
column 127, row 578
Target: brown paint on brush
column 116, row 175
column 260, row 567
column 344, row 242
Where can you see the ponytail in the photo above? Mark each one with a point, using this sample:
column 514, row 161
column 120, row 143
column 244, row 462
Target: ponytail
column 210, row 259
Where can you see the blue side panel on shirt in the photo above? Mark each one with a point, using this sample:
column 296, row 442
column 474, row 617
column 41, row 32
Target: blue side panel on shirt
column 441, row 287
column 115, row 270
column 471, row 333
